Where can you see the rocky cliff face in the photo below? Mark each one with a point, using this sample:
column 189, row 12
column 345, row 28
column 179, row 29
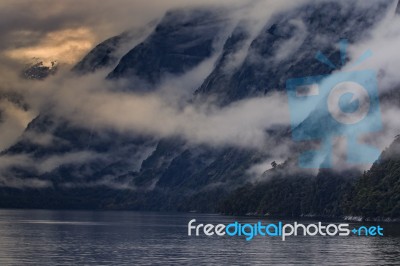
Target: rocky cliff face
column 108, row 53
column 286, row 48
column 181, row 41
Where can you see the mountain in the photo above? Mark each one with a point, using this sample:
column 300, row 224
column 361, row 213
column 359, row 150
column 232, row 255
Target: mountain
column 112, row 170
column 292, row 195
column 39, row 71
column 102, row 55
column 286, row 48
column 108, row 52
column 377, row 192
column 181, row 41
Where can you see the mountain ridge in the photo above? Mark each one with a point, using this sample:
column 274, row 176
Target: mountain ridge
column 146, row 173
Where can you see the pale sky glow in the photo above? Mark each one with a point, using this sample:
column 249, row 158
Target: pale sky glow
column 66, row 46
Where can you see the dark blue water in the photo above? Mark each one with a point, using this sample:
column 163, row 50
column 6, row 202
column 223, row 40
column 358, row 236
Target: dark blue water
column 38, row 237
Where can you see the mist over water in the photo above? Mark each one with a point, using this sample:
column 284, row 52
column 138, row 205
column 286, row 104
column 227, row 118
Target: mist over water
column 42, row 237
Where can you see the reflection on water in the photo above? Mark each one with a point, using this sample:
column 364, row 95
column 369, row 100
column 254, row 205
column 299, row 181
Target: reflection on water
column 38, row 237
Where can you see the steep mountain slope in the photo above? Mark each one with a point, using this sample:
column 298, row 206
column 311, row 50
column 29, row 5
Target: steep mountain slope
column 110, row 161
column 286, row 192
column 181, row 41
column 86, row 169
column 286, row 48
column 108, row 52
column 102, row 55
column 372, row 195
column 377, row 192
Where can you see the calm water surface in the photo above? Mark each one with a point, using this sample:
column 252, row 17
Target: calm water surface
column 39, row 237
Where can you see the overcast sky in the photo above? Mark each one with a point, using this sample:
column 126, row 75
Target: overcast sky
column 67, row 29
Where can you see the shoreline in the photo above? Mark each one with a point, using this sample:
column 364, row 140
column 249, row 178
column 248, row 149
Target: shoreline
column 348, row 218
